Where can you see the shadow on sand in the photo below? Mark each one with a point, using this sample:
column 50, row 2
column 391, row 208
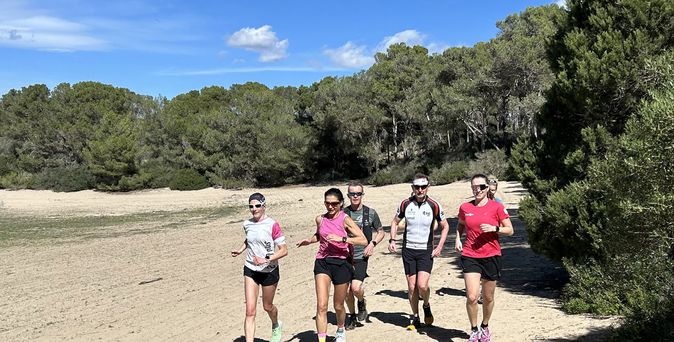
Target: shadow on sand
column 401, row 319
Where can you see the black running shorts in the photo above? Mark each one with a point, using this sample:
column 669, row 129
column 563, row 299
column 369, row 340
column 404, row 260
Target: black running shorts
column 489, row 268
column 262, row 278
column 339, row 270
column 417, row 260
column 360, row 269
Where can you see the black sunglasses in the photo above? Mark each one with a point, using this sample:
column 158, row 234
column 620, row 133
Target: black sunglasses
column 354, row 194
column 481, row 186
column 420, row 186
column 251, row 206
column 332, row 203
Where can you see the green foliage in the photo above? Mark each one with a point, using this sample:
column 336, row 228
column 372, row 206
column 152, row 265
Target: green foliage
column 188, row 179
column 154, row 174
column 408, row 107
column 490, row 162
column 525, row 161
column 628, row 285
column 65, row 179
column 601, row 173
column 449, row 172
column 111, row 153
column 17, row 180
column 655, row 325
column 399, row 173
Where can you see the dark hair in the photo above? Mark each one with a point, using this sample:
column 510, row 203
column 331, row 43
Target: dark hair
column 335, row 192
column 258, row 197
column 478, row 175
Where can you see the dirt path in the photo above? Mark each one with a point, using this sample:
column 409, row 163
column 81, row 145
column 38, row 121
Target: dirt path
column 181, row 284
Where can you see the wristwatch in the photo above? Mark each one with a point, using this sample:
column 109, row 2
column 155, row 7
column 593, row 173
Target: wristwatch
column 267, row 257
column 344, row 239
column 391, row 240
column 498, row 228
column 374, row 243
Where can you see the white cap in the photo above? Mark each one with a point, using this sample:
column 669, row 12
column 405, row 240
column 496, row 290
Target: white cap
column 420, row 182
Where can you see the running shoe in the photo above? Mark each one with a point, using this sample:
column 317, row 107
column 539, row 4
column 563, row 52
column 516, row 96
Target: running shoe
column 276, row 333
column 362, row 311
column 340, row 335
column 351, row 324
column 428, row 315
column 474, row 336
column 485, row 335
column 414, row 324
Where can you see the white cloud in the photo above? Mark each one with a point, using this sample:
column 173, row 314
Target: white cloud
column 47, row 33
column 561, row 3
column 26, row 25
column 409, row 37
column 350, row 55
column 437, row 47
column 262, row 40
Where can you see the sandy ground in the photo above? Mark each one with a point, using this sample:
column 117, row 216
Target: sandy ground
column 92, row 289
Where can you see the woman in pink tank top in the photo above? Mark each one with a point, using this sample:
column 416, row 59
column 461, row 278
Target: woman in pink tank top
column 336, row 233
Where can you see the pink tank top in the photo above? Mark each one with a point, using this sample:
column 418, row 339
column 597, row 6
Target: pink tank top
column 332, row 249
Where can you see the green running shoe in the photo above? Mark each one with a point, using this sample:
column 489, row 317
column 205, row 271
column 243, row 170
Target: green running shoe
column 276, row 333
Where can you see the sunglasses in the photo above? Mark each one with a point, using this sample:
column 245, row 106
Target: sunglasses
column 480, row 186
column 354, row 194
column 251, row 206
column 416, row 187
column 333, row 204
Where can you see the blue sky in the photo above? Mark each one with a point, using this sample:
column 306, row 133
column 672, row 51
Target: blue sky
column 170, row 47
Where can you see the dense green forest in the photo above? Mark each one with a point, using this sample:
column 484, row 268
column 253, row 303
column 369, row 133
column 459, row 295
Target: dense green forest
column 410, row 111
column 576, row 103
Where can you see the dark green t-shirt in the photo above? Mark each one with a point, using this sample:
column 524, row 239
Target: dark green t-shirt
column 371, row 226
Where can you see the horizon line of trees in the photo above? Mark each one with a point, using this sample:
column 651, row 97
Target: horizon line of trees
column 408, row 112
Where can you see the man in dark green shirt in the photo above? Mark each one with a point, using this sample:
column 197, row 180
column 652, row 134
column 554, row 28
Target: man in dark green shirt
column 368, row 220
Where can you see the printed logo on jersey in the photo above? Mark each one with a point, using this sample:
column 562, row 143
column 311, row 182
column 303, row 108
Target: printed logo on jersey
column 470, row 214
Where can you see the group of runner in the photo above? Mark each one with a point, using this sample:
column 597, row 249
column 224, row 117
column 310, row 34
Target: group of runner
column 347, row 237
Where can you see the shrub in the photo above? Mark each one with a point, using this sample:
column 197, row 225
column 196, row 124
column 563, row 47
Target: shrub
column 393, row 174
column 228, row 183
column 188, row 179
column 155, row 174
column 490, row 162
column 632, row 285
column 17, row 180
column 449, row 172
column 65, row 178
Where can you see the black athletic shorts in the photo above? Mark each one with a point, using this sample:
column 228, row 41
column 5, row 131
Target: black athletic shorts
column 417, row 260
column 339, row 270
column 360, row 269
column 489, row 268
column 263, row 278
